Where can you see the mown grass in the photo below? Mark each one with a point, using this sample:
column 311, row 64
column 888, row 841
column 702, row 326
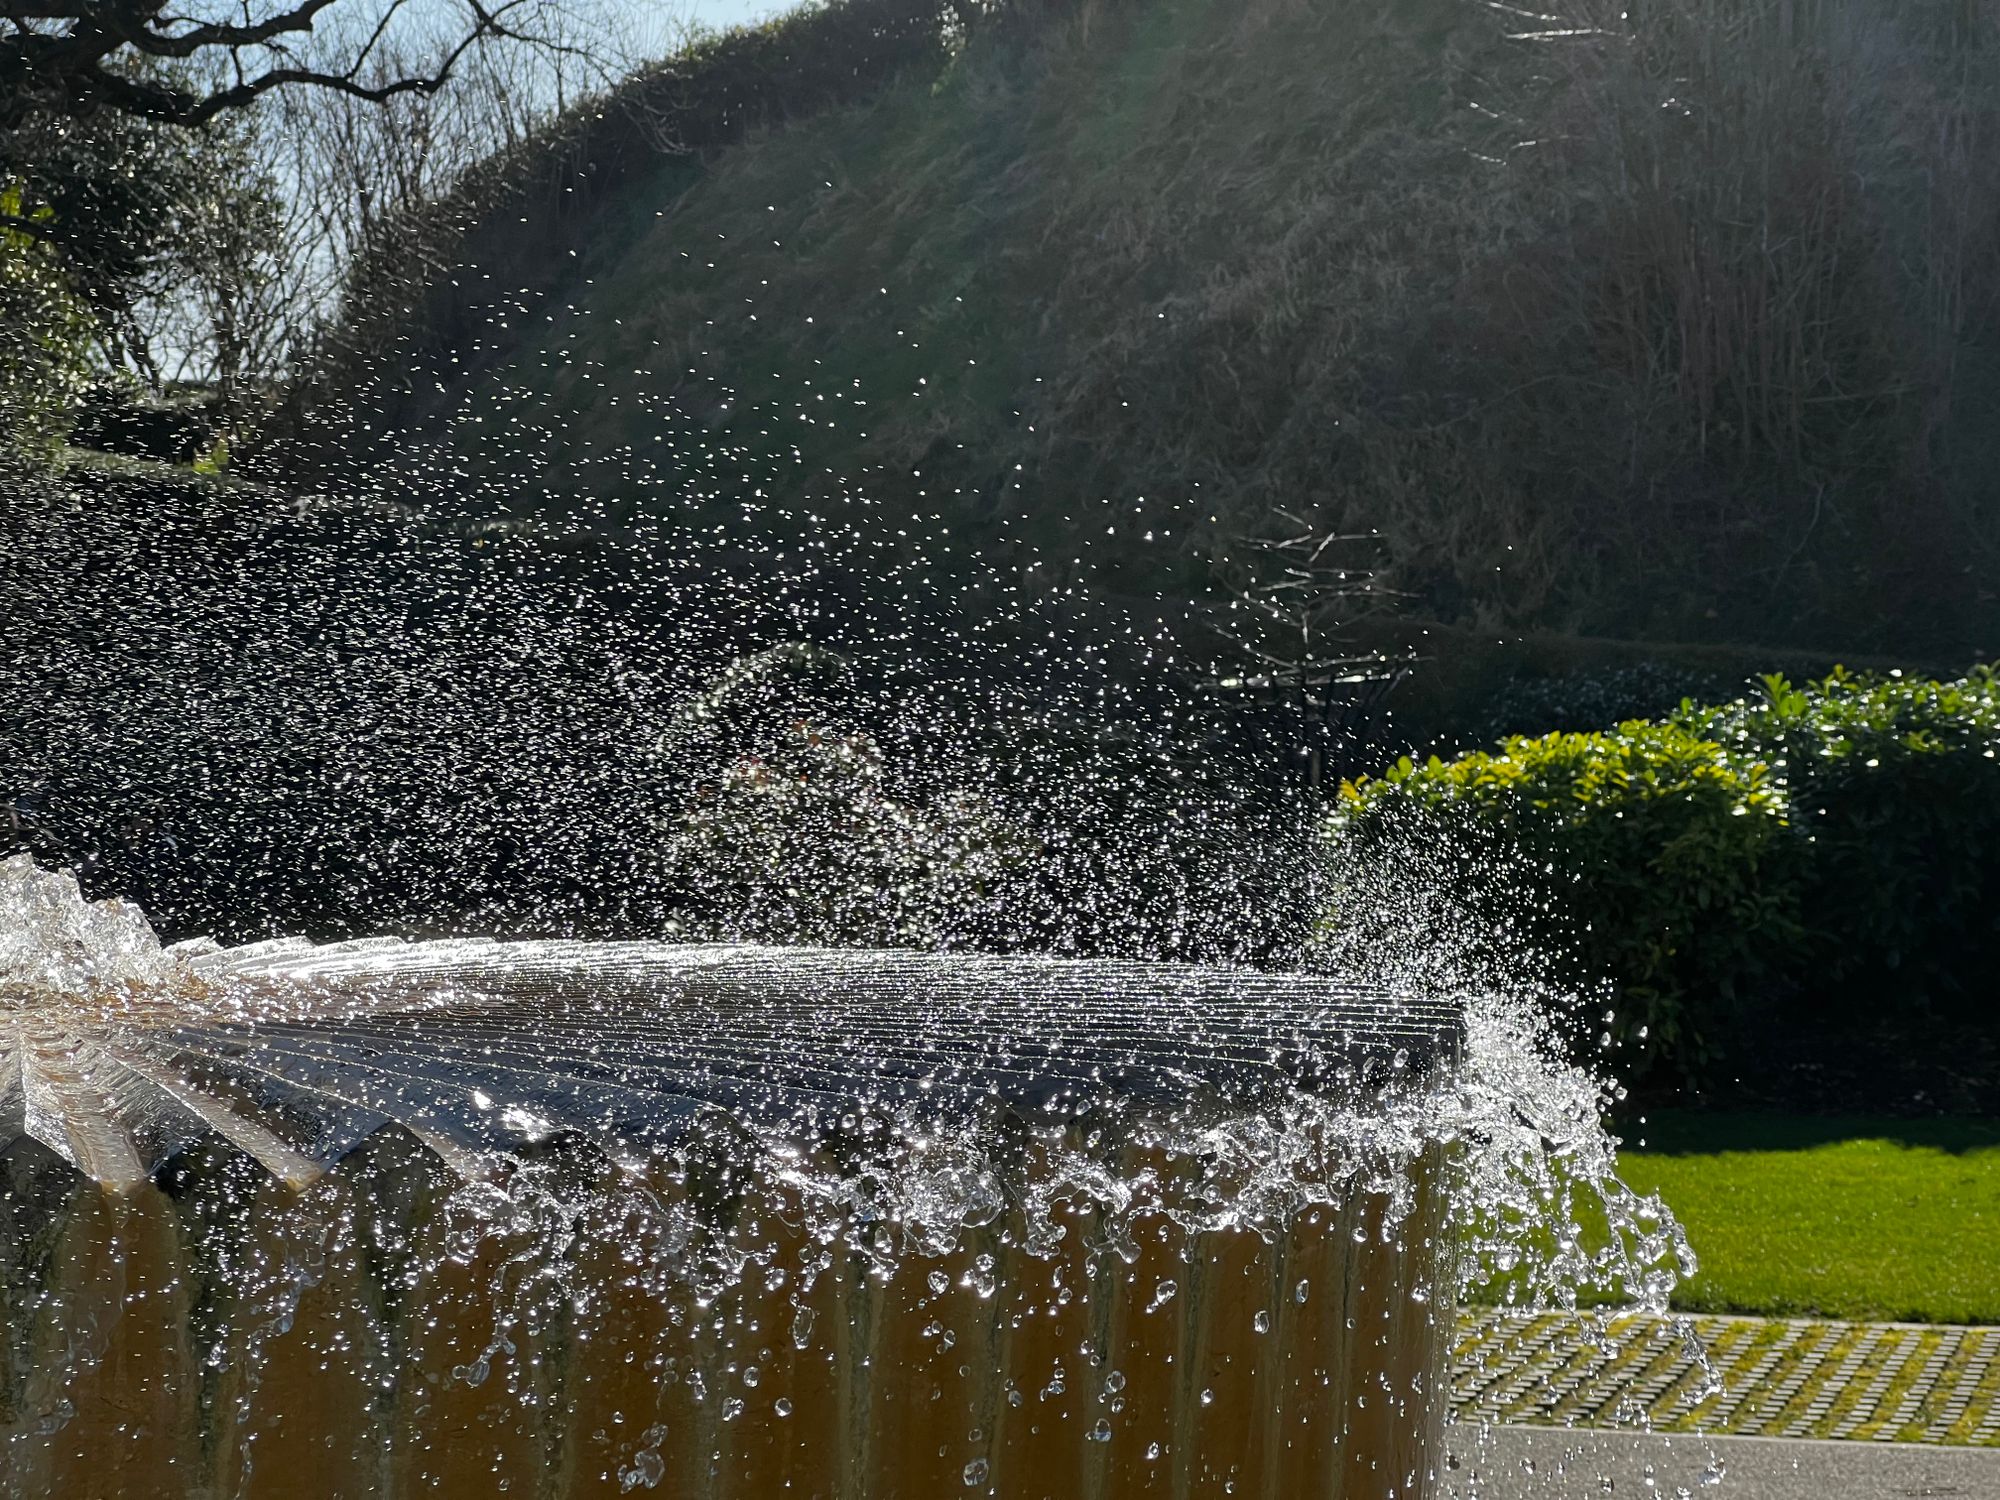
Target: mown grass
column 1836, row 1217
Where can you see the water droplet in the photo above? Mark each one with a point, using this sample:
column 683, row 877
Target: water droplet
column 981, row 1278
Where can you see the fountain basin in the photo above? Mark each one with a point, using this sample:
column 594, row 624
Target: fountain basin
column 572, row 1219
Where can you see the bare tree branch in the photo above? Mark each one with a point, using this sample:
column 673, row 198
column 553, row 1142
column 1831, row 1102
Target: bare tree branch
column 1294, row 596
column 74, row 57
column 142, row 35
column 35, row 227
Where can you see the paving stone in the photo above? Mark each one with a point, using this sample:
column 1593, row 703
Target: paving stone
column 1561, row 1369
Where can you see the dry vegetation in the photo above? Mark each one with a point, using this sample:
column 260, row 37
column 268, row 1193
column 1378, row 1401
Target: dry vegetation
column 1676, row 320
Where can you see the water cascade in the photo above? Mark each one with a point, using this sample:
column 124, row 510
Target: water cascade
column 566, row 1218
column 853, row 1197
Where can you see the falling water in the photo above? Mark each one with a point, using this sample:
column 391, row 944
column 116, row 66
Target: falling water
column 734, row 1172
column 909, row 1045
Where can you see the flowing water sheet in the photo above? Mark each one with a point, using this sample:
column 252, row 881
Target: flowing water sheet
column 119, row 1052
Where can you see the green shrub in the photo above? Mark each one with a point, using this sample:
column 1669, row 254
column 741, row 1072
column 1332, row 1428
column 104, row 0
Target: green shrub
column 46, row 330
column 1813, row 861
column 1895, row 806
column 215, row 459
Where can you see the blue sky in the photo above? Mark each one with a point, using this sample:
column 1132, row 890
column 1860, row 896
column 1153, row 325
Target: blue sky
column 730, row 12
column 659, row 21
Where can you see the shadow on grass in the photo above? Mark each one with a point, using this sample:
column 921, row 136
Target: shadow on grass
column 1682, row 1132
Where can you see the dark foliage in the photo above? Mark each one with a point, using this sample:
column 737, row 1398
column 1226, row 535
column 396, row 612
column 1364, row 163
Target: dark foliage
column 1790, row 891
column 446, row 287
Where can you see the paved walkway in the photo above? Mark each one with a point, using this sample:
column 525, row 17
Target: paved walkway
column 1542, row 1463
column 1779, row 1377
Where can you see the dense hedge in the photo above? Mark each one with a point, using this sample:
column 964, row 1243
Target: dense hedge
column 1756, row 878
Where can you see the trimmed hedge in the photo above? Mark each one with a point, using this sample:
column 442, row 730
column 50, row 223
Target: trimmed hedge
column 1755, row 878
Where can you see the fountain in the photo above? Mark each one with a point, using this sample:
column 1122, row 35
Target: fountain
column 562, row 1218
column 844, row 1191
column 1001, row 1119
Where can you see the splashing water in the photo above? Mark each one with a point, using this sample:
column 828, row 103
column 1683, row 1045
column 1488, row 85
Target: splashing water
column 53, row 942
column 407, row 716
column 1544, row 1207
column 733, row 1134
column 552, row 736
column 489, row 1045
column 879, row 1109
column 691, row 1177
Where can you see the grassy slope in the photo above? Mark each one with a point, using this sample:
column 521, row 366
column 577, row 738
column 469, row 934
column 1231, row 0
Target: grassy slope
column 1851, row 1218
column 1126, row 292
column 1116, row 286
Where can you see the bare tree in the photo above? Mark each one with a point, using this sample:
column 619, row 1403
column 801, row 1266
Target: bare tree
column 1297, row 592
column 225, row 311
column 359, row 174
column 186, row 64
column 1294, row 591
column 356, row 167
column 254, row 199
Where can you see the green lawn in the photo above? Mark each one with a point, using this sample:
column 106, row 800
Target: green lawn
column 1841, row 1217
